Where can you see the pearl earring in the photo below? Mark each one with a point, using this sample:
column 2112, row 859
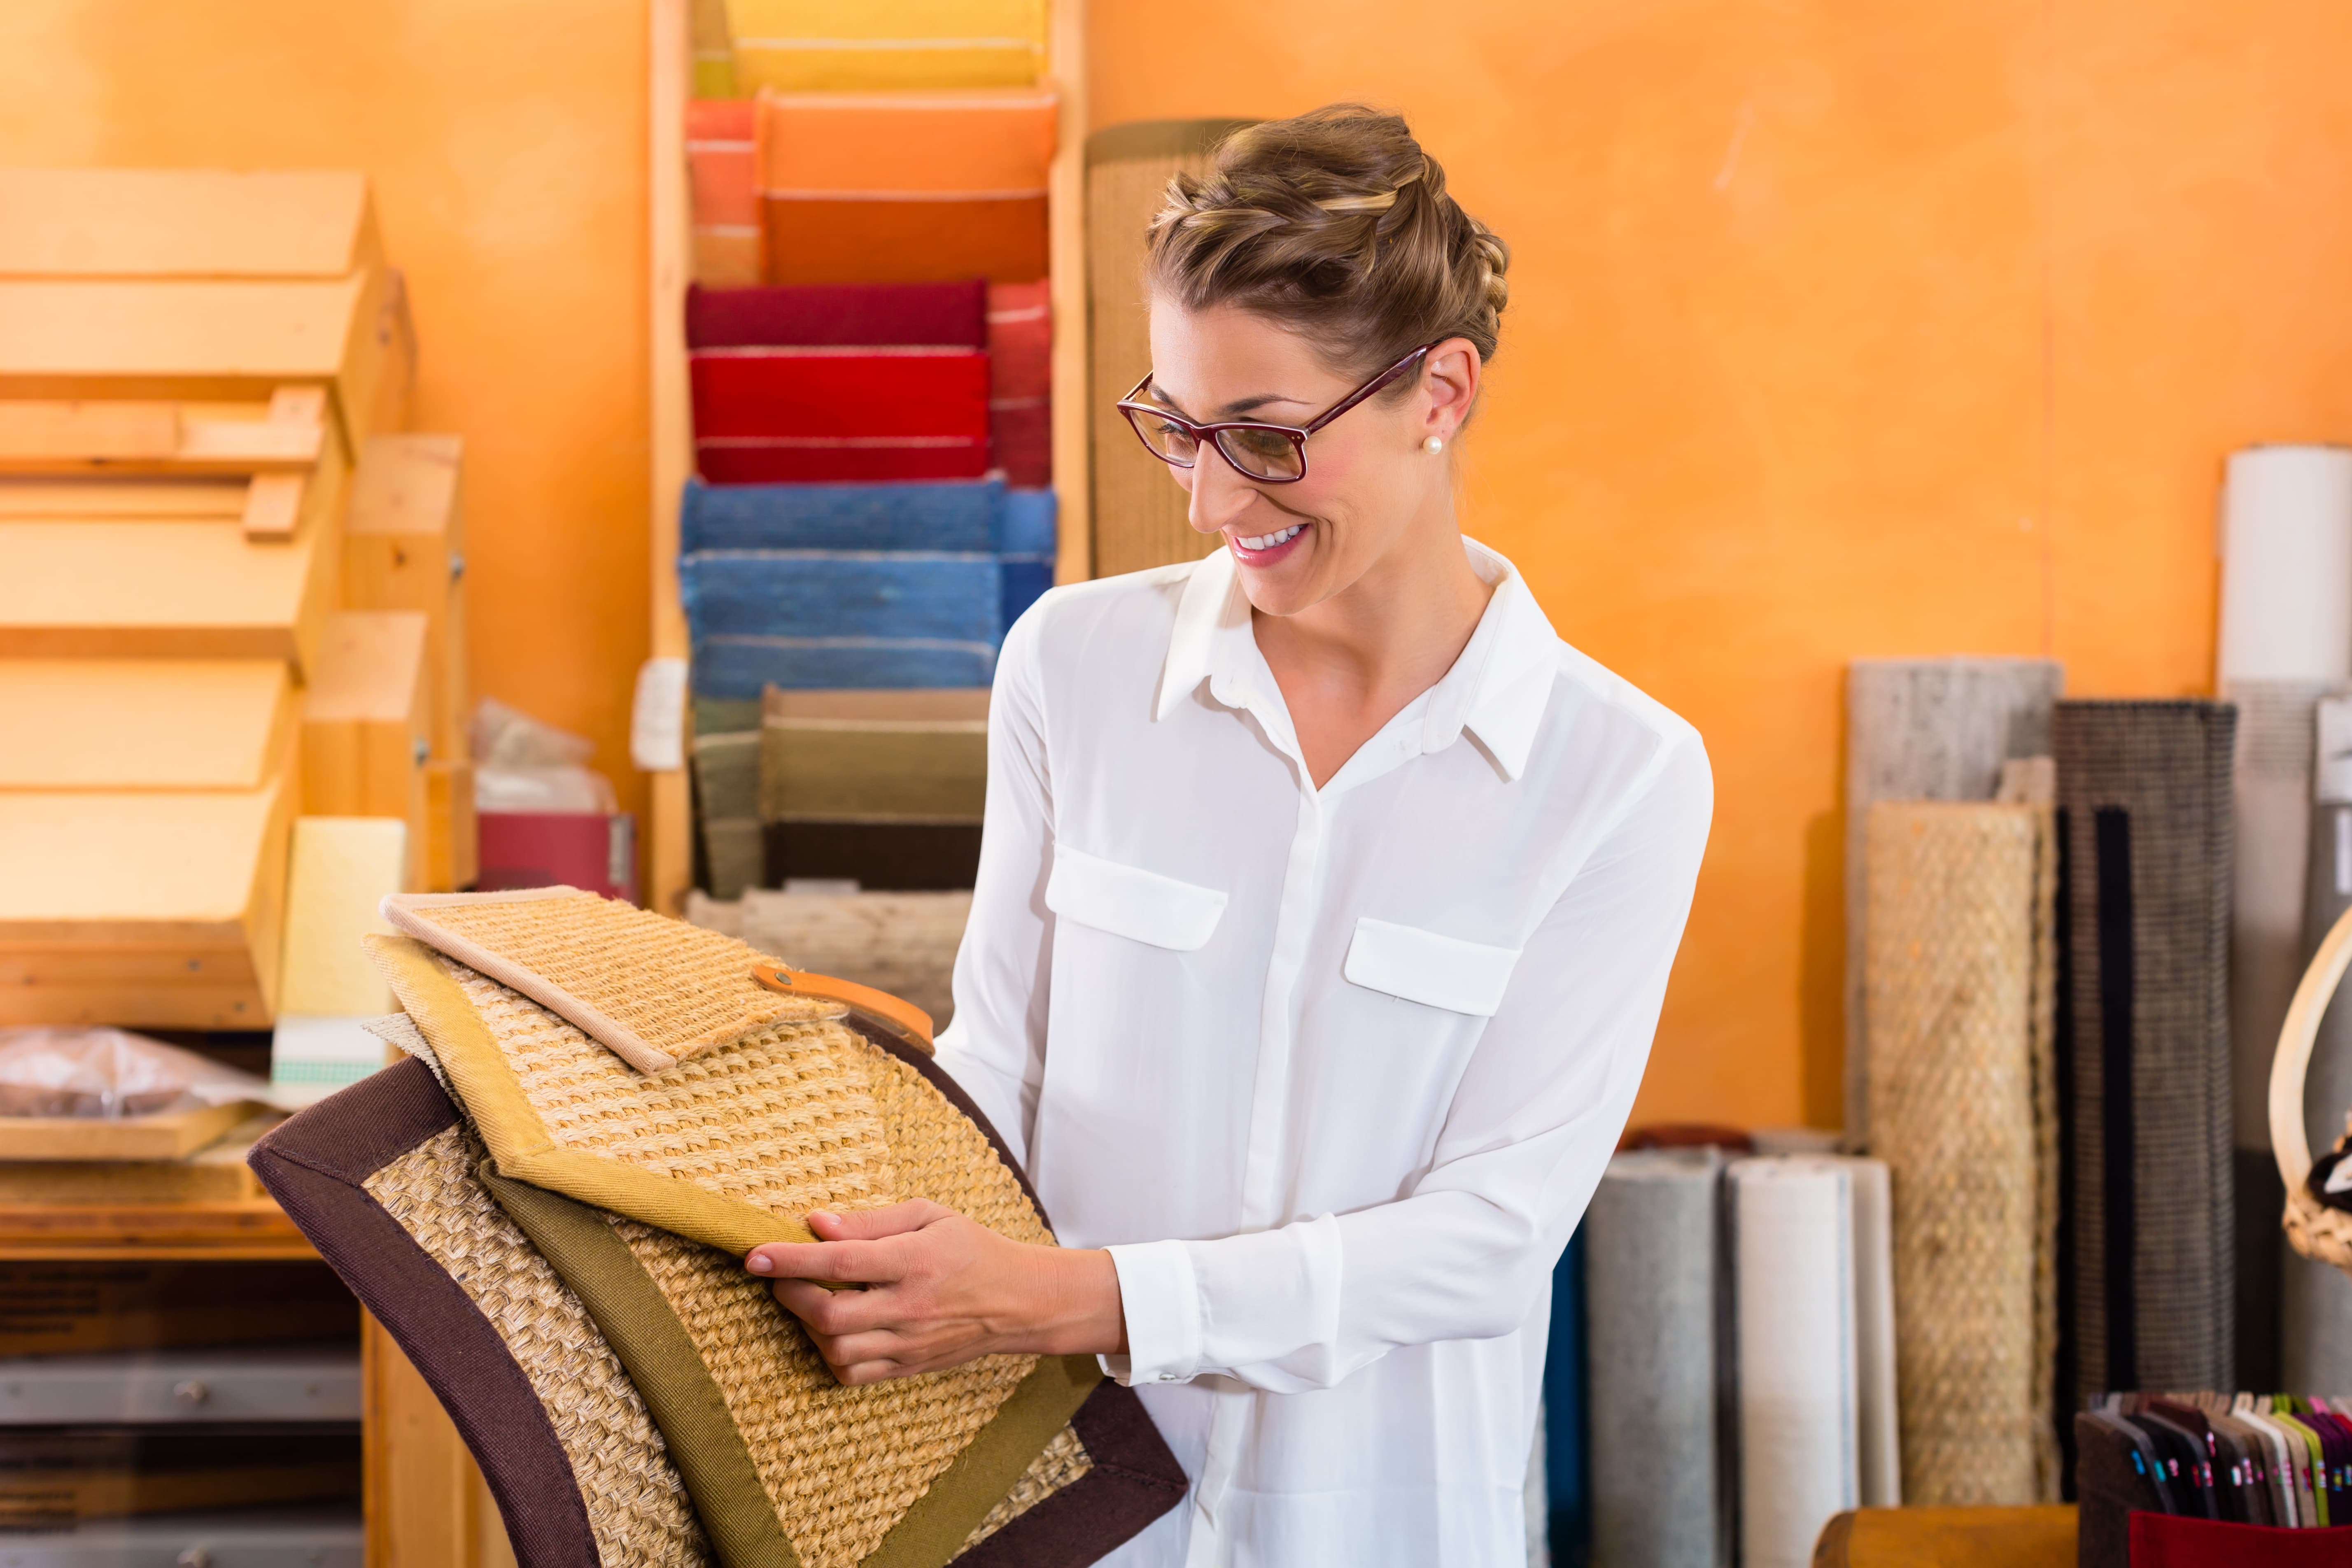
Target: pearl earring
column 1433, row 446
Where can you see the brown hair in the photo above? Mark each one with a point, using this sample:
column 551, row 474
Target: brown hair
column 1336, row 224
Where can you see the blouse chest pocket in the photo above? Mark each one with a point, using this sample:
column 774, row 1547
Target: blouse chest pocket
column 1129, row 901
column 1430, row 968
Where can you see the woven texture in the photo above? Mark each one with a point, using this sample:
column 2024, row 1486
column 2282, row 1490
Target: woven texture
column 637, row 1506
column 2145, row 791
column 1061, row 1463
column 785, row 1120
column 1951, row 965
column 1934, row 728
column 796, row 1118
column 675, row 996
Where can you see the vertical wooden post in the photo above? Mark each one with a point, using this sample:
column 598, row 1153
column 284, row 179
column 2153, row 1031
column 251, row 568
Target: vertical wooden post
column 669, row 859
column 427, row 1505
column 1066, row 201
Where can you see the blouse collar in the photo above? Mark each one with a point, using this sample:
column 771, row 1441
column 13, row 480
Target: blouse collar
column 1497, row 688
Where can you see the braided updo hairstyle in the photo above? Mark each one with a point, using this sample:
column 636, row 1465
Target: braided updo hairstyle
column 1335, row 225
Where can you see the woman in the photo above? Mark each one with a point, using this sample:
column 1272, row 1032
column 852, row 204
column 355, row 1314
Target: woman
column 1323, row 919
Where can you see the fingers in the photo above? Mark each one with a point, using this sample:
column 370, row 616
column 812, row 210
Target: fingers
column 851, row 1262
column 836, row 1312
column 873, row 1225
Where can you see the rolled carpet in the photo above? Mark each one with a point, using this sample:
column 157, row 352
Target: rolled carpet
column 2144, row 797
column 1955, row 1018
column 1139, row 512
column 1809, row 1257
column 1650, row 1238
column 840, row 314
column 1934, row 728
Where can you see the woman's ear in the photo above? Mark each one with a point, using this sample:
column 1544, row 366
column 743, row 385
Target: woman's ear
column 1449, row 382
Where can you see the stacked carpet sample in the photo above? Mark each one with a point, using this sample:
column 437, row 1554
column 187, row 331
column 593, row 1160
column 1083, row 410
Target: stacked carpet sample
column 548, row 1208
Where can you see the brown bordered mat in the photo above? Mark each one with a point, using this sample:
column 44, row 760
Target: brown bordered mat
column 381, row 1177
column 729, row 1150
column 655, row 991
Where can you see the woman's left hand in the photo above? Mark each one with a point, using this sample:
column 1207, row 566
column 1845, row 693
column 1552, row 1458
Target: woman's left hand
column 940, row 1290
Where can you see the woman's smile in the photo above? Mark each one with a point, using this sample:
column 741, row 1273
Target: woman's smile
column 1266, row 549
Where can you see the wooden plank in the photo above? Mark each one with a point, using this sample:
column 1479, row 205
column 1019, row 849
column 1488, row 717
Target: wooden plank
column 95, row 876
column 403, row 549
column 452, row 835
column 669, row 841
column 173, row 1135
column 2038, row 1535
column 185, row 500
column 185, row 223
column 364, row 719
column 98, row 436
column 224, row 1232
column 227, row 339
column 144, row 724
column 1066, row 239
column 153, row 589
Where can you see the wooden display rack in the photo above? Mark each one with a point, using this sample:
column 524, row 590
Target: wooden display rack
column 669, row 836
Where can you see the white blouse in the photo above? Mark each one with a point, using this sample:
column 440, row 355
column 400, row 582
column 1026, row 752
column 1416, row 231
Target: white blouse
column 1332, row 1073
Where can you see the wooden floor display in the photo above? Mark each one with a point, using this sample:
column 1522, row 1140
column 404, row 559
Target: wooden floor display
column 1139, row 512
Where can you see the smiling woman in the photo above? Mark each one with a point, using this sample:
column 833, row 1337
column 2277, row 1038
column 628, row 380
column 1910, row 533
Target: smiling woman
column 1325, row 909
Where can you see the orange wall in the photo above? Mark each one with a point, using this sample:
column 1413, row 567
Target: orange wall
column 1837, row 329
column 506, row 142
column 1845, row 329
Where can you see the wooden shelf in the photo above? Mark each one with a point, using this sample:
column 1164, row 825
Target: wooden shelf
column 251, row 1231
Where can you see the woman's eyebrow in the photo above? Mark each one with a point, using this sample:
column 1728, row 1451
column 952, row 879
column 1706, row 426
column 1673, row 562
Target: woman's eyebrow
column 1233, row 410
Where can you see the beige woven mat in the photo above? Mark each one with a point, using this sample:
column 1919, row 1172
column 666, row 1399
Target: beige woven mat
column 655, row 991
column 843, row 1465
column 1950, row 967
column 637, row 1506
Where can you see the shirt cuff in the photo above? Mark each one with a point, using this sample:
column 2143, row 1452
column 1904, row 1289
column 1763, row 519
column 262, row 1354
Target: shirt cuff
column 1160, row 1301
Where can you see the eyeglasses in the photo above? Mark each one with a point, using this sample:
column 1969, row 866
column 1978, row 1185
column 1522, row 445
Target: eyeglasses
column 1270, row 454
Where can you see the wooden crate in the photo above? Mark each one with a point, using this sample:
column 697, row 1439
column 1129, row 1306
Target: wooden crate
column 186, row 223
column 143, row 723
column 235, row 339
column 403, row 549
column 365, row 716
column 163, row 908
column 164, row 568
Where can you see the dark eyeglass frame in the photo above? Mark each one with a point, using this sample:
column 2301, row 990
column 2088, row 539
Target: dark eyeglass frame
column 1214, row 434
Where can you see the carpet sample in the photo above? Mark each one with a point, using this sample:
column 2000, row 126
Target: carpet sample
column 874, row 756
column 2143, row 797
column 384, row 1178
column 722, row 177
column 840, row 315
column 879, row 857
column 958, row 515
column 726, row 810
column 736, row 668
column 943, row 595
column 1651, row 1292
column 1021, row 381
column 804, row 46
column 1936, row 728
column 1959, row 1032
column 909, row 187
column 793, row 414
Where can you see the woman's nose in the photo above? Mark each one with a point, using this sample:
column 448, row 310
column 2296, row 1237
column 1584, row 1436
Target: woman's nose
column 1219, row 494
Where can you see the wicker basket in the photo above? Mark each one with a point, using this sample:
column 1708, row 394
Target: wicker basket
column 2313, row 1228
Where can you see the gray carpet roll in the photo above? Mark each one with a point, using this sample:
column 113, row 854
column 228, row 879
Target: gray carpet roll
column 1651, row 1301
column 2144, row 792
column 1930, row 729
column 2315, row 1300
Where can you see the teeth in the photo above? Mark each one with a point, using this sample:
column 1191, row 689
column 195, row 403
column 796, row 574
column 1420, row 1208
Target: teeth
column 1268, row 541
